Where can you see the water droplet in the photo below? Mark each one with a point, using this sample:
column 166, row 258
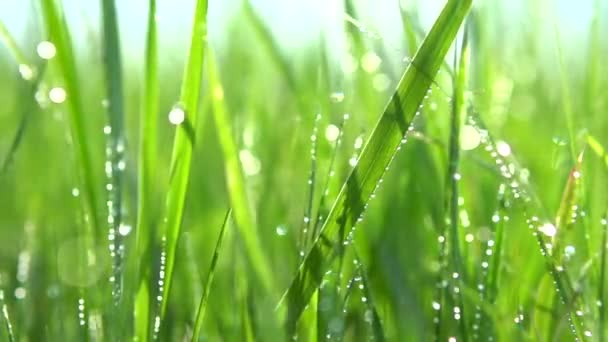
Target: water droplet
column 124, row 229
column 332, row 132
column 370, row 62
column 503, row 148
column 469, row 237
column 470, row 138
column 436, row 306
column 336, row 97
column 27, row 72
column 358, row 142
column 107, row 129
column 46, row 50
column 559, row 141
column 57, row 95
column 20, row 293
column 548, row 229
column 75, row 192
column 352, row 161
column 251, row 164
column 569, row 251
column 281, row 230
column 177, row 115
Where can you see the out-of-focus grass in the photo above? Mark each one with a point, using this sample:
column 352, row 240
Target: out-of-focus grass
column 533, row 111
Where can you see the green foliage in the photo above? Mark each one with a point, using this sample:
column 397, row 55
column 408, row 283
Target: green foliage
column 490, row 223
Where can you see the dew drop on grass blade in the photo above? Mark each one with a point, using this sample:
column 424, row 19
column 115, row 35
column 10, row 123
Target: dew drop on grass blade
column 375, row 157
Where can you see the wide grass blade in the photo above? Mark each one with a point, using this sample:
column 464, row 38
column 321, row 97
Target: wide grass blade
column 375, row 158
column 183, row 145
column 29, row 107
column 59, row 35
column 200, row 314
column 147, row 161
column 235, row 180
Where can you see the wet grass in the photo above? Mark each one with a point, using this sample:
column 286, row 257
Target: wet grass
column 378, row 191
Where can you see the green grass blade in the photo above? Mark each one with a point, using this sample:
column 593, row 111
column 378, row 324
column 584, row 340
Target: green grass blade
column 59, row 35
column 183, row 145
column 376, row 322
column 147, row 158
column 267, row 42
column 7, row 38
column 453, row 178
column 200, row 314
column 115, row 159
column 601, row 288
column 375, row 157
column 235, row 180
column 28, row 108
column 566, row 95
column 596, row 147
column 7, row 319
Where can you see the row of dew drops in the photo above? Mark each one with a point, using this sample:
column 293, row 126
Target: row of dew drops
column 515, row 178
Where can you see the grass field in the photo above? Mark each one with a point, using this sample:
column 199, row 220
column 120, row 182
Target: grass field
column 452, row 186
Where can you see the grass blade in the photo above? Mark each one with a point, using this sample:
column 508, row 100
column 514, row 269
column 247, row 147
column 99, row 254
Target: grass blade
column 200, row 314
column 183, row 145
column 453, row 179
column 601, row 289
column 235, row 182
column 7, row 38
column 115, row 160
column 59, row 35
column 147, row 162
column 375, row 157
column 7, row 320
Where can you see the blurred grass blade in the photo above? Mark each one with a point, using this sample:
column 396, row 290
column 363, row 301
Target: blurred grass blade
column 239, row 200
column 267, row 42
column 453, row 179
column 566, row 206
column 200, row 314
column 115, row 159
column 183, row 145
column 376, row 322
column 29, row 107
column 601, row 287
column 565, row 96
column 7, row 320
column 7, row 38
column 148, row 146
column 596, row 147
column 59, row 35
column 375, row 158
